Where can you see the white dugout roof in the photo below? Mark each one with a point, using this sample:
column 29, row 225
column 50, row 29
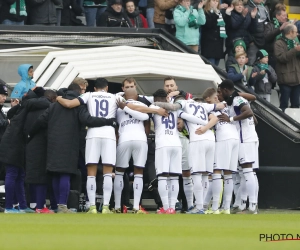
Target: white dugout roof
column 149, row 67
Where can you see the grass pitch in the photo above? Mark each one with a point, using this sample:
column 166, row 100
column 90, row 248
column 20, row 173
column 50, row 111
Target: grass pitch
column 138, row 231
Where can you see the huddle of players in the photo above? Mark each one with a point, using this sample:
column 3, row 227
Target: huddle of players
column 208, row 152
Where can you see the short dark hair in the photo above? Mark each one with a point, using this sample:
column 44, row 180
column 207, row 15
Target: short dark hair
column 198, row 99
column 179, row 97
column 208, row 93
column 74, row 87
column 168, row 78
column 160, row 93
column 50, row 94
column 101, row 83
column 227, row 84
column 128, row 79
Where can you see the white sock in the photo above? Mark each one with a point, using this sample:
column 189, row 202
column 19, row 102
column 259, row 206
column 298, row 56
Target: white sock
column 118, row 187
column 208, row 197
column 107, row 188
column 163, row 191
column 169, row 189
column 250, row 186
column 174, row 186
column 188, row 190
column 228, row 189
column 256, row 186
column 205, row 185
column 242, row 192
column 236, row 182
column 91, row 189
column 198, row 190
column 137, row 190
column 216, row 190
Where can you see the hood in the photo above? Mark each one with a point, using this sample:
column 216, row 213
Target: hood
column 23, row 71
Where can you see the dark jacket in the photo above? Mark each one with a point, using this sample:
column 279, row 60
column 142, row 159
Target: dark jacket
column 36, row 149
column 63, row 134
column 262, row 87
column 236, row 76
column 241, row 26
column 5, row 8
column 258, row 33
column 211, row 42
column 111, row 18
column 42, row 11
column 270, row 35
column 69, row 12
column 287, row 64
column 3, row 122
column 13, row 141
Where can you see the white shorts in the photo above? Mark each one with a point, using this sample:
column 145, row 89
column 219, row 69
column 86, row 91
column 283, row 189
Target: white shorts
column 96, row 147
column 247, row 153
column 226, row 155
column 137, row 149
column 168, row 160
column 201, row 156
column 256, row 163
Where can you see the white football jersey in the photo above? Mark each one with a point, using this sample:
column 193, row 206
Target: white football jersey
column 225, row 130
column 246, row 127
column 166, row 134
column 201, row 111
column 131, row 126
column 100, row 104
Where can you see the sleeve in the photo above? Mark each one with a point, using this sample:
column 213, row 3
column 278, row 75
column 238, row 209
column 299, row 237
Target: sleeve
column 209, row 107
column 186, row 94
column 83, row 99
column 165, row 4
column 144, row 21
column 3, row 122
column 136, row 114
column 201, row 17
column 168, row 106
column 86, row 119
column 191, row 118
column 13, row 111
column 182, row 103
column 181, row 18
column 239, row 102
column 17, row 91
column 271, row 33
column 282, row 54
column 233, row 75
column 272, row 76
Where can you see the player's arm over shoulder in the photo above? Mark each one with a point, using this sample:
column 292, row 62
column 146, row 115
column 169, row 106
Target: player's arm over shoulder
column 74, row 102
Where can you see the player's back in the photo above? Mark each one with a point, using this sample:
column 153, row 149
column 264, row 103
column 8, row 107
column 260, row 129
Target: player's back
column 166, row 134
column 130, row 129
column 101, row 104
column 246, row 127
column 200, row 110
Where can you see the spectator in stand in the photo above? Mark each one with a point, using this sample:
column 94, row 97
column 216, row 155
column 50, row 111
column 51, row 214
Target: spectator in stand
column 12, row 12
column 93, row 11
column 114, row 16
column 266, row 76
column 42, row 12
column 242, row 74
column 150, row 13
column 160, row 8
column 213, row 33
column 242, row 22
column 26, row 83
column 258, row 37
column 137, row 19
column 287, row 54
column 239, row 46
column 187, row 21
column 69, row 12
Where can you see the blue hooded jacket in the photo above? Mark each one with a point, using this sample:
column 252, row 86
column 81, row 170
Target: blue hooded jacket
column 25, row 84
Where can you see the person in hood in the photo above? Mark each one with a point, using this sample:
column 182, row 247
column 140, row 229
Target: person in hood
column 26, row 83
column 114, row 16
column 137, row 19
